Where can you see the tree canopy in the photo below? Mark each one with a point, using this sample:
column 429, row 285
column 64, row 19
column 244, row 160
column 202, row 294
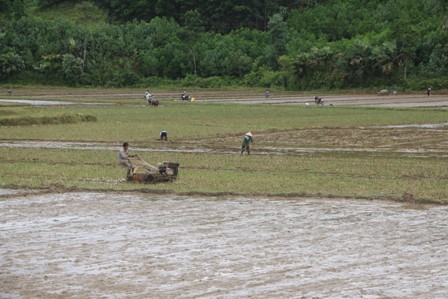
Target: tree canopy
column 295, row 44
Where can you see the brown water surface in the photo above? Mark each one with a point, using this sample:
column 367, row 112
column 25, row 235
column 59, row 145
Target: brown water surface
column 107, row 245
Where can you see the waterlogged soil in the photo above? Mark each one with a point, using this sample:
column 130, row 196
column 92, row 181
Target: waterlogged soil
column 403, row 101
column 96, row 245
column 53, row 97
column 408, row 139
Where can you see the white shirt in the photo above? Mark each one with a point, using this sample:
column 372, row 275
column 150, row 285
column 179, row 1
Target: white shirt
column 123, row 154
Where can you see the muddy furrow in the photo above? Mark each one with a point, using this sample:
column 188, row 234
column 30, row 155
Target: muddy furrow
column 440, row 152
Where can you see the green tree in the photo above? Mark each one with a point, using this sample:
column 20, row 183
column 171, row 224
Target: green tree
column 72, row 68
column 278, row 32
column 11, row 10
column 192, row 21
column 438, row 63
column 11, row 62
column 50, row 3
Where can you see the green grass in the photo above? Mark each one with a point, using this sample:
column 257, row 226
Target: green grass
column 335, row 175
column 185, row 121
column 374, row 175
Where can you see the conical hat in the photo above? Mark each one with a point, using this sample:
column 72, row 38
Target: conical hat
column 249, row 134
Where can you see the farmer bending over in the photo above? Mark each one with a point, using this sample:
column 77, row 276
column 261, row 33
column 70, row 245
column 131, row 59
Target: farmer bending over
column 246, row 140
column 123, row 158
column 164, row 135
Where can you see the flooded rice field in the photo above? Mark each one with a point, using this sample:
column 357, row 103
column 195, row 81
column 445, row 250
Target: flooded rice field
column 348, row 140
column 241, row 97
column 108, row 245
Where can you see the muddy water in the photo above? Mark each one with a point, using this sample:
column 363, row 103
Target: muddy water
column 93, row 245
column 279, row 151
column 370, row 100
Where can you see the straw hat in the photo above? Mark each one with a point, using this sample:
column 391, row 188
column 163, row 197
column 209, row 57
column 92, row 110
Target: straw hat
column 249, row 134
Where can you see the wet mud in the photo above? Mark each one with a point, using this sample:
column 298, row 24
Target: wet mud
column 403, row 101
column 241, row 97
column 107, row 245
column 411, row 140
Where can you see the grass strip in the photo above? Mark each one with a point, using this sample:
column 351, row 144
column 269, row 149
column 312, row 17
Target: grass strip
column 373, row 176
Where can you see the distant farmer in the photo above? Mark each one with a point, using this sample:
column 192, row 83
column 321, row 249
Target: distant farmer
column 184, row 96
column 267, row 93
column 164, row 135
column 123, row 158
column 247, row 139
column 428, row 91
column 10, row 91
column 148, row 95
column 383, row 92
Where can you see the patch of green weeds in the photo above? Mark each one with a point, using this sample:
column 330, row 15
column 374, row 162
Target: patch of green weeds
column 364, row 175
column 48, row 120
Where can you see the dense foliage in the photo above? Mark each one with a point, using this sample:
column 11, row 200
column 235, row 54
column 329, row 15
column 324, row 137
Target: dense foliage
column 299, row 44
column 219, row 16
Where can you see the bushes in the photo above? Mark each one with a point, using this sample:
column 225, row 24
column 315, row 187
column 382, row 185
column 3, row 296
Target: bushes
column 265, row 77
column 211, row 82
column 423, row 83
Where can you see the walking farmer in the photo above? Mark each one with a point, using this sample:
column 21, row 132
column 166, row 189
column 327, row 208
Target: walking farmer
column 247, row 139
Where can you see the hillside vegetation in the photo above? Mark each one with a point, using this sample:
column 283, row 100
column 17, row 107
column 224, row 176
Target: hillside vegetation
column 291, row 45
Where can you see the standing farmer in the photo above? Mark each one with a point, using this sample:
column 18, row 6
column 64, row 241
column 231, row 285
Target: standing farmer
column 247, row 139
column 267, row 93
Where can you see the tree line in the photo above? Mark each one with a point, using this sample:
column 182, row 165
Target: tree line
column 291, row 44
column 216, row 15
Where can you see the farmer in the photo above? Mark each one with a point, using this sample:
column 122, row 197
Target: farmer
column 147, row 94
column 428, row 91
column 123, row 158
column 184, row 96
column 267, row 93
column 246, row 140
column 163, row 135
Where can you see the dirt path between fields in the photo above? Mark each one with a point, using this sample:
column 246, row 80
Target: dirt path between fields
column 96, row 245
